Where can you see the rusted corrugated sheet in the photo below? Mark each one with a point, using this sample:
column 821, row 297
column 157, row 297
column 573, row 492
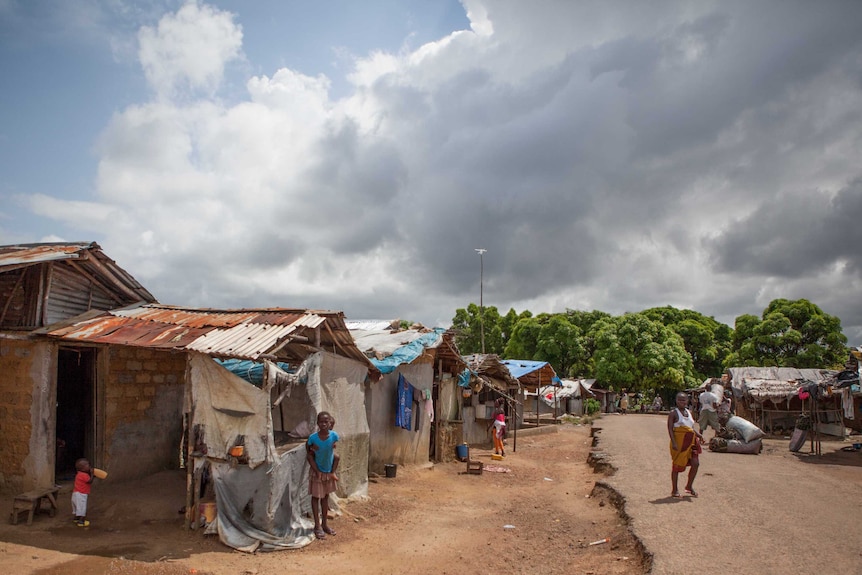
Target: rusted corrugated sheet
column 38, row 253
column 85, row 259
column 119, row 330
column 243, row 334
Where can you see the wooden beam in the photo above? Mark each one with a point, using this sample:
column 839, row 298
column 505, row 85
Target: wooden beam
column 116, row 282
column 11, row 295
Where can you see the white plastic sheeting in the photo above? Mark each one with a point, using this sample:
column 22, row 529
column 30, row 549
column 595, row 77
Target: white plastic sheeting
column 263, row 504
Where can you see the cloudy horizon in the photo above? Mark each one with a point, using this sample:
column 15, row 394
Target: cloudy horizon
column 608, row 155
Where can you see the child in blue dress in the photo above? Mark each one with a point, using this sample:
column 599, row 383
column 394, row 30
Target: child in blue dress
column 321, row 456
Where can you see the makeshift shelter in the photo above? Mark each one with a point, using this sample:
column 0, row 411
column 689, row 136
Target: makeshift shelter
column 531, row 376
column 90, row 366
column 485, row 379
column 249, row 438
column 568, row 397
column 770, row 398
column 50, row 400
column 846, row 384
column 416, row 364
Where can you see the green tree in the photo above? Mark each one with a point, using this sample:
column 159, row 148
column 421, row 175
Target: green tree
column 548, row 337
column 525, row 338
column 637, row 353
column 469, row 322
column 561, row 344
column 467, row 327
column 708, row 341
column 790, row 333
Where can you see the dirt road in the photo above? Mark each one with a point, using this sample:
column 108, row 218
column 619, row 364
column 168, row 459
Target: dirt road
column 774, row 513
column 431, row 520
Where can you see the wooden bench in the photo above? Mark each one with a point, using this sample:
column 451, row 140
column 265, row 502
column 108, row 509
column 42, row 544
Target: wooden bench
column 31, row 502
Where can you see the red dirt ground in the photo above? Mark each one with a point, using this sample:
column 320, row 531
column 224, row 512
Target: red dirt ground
column 425, row 520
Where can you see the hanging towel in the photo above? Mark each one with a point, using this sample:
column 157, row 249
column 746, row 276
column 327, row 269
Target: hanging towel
column 429, row 409
column 404, row 409
column 847, row 400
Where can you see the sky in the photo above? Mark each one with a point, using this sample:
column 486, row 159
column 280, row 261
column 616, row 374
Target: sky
column 346, row 155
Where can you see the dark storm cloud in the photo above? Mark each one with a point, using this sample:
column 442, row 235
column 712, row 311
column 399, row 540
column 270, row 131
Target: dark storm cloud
column 794, row 235
column 611, row 155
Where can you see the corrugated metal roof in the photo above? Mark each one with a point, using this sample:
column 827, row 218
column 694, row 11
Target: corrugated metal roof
column 37, row 253
column 243, row 334
column 86, row 256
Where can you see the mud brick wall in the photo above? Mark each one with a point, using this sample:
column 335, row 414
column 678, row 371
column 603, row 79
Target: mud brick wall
column 143, row 411
column 25, row 396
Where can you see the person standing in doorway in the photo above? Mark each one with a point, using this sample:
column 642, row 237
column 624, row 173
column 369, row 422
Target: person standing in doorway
column 81, row 491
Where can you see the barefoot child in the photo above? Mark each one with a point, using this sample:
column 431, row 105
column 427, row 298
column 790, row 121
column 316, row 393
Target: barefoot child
column 685, row 447
column 81, row 491
column 499, row 425
column 321, row 456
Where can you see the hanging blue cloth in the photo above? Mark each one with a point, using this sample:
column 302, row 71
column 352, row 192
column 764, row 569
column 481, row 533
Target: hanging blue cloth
column 404, row 409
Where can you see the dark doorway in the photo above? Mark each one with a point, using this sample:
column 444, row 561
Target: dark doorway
column 76, row 370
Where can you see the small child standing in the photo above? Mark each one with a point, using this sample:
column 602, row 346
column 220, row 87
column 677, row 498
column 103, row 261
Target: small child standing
column 81, row 491
column 321, row 456
column 499, row 425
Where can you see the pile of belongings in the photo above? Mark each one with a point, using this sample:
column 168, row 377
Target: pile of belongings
column 737, row 435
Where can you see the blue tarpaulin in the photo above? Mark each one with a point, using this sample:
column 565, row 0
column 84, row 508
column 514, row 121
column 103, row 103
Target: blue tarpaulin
column 251, row 371
column 521, row 367
column 409, row 352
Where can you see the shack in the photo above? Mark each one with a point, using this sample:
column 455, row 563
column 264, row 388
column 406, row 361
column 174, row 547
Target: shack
column 532, row 376
column 53, row 409
column 569, row 397
column 247, row 437
column 420, row 367
column 485, row 379
column 770, row 398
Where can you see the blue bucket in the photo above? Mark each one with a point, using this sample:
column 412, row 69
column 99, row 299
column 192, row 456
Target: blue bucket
column 462, row 451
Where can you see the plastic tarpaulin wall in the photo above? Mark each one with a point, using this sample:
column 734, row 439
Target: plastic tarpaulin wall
column 264, row 505
column 226, row 407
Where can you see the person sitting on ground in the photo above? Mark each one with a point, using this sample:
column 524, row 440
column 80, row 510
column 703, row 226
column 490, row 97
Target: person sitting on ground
column 708, row 411
column 685, row 445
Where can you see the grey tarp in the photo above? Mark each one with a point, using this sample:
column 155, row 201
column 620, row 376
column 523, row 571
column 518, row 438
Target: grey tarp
column 264, row 505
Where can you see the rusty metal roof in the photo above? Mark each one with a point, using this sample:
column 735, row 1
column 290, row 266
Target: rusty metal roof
column 37, row 253
column 241, row 333
column 86, row 255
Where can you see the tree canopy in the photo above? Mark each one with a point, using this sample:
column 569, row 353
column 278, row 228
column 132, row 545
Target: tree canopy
column 637, row 353
column 661, row 347
column 708, row 341
column 789, row 333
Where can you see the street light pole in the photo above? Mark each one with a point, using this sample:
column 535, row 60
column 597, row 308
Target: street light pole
column 481, row 252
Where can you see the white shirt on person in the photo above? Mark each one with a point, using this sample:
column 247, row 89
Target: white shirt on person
column 683, row 418
column 707, row 401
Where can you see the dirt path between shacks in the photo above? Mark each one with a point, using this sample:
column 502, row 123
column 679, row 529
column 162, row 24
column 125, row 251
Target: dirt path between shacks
column 432, row 520
column 773, row 513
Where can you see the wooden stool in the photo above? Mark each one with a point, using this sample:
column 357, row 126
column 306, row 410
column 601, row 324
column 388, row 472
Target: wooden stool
column 31, row 502
column 475, row 467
